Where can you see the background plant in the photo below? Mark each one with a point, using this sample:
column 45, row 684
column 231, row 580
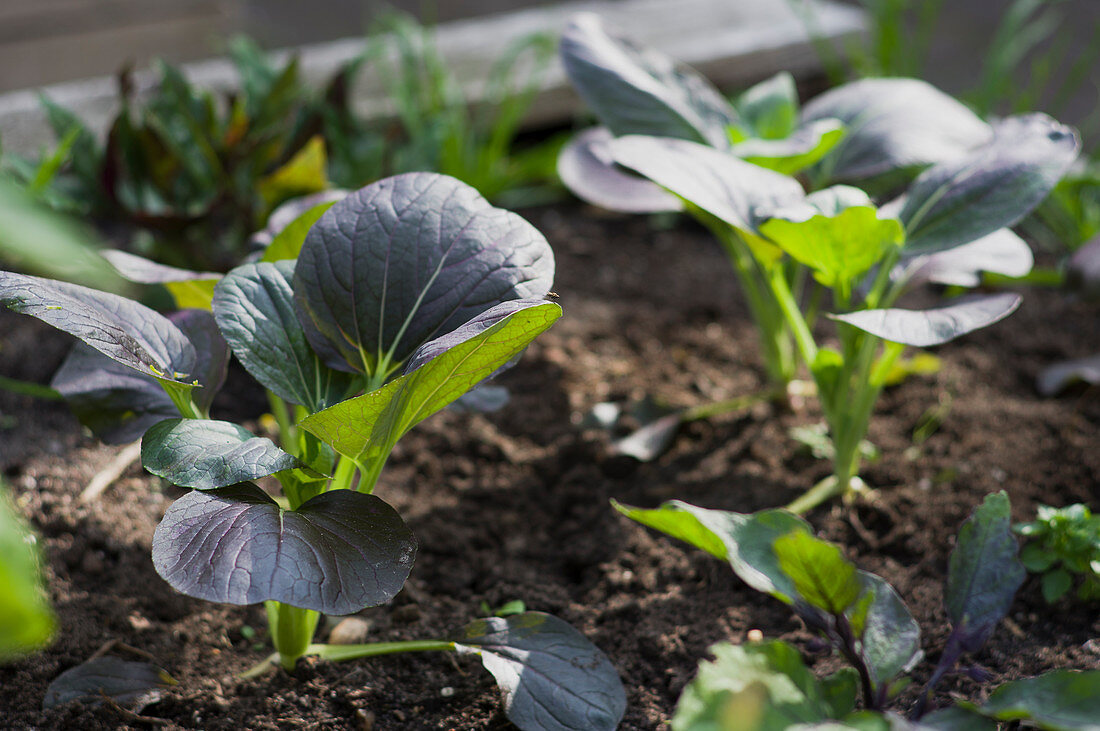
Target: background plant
column 860, row 617
column 973, row 180
column 1063, row 546
column 27, row 622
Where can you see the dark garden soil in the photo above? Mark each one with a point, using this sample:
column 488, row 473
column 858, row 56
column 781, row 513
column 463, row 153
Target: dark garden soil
column 514, row 505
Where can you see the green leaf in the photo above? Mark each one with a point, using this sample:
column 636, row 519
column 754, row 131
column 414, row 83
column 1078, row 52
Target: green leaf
column 743, row 540
column 254, row 307
column 821, row 575
column 302, row 174
column 366, row 427
column 770, row 107
column 983, row 573
column 551, row 676
column 206, row 454
column 1056, row 584
column 836, row 233
column 807, row 146
column 957, row 718
column 26, row 620
column 840, row 691
column 763, row 686
column 1061, row 700
column 287, row 244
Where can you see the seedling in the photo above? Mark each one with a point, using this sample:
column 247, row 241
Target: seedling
column 1063, row 545
column 948, row 226
column 27, row 622
column 864, row 621
column 403, row 297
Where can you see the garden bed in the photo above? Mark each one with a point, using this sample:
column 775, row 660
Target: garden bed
column 514, row 505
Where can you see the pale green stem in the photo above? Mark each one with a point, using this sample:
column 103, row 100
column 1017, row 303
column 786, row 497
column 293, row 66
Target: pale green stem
column 339, row 653
column 291, row 629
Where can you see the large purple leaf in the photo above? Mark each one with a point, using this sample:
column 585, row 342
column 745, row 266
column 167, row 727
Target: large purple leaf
column 587, row 169
column 990, row 188
column 551, row 676
column 730, row 189
column 408, row 258
column 337, row 553
column 925, row 328
column 254, row 307
column 637, row 90
column 123, row 330
column 893, row 124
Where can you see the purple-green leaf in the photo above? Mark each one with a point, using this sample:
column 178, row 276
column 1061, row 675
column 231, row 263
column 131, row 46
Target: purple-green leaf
column 254, row 307
column 935, row 326
column 206, row 454
column 1061, row 700
column 131, row 684
column 1001, row 252
column 984, row 572
column 551, row 676
column 409, row 258
column 992, row 187
column 337, row 553
column 587, row 169
column 637, row 90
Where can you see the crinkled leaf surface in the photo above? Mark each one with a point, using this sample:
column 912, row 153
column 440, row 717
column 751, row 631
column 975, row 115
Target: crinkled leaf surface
column 984, row 572
column 254, row 307
column 1001, row 252
column 637, row 90
column 822, row 576
column 26, row 620
column 206, row 454
column 763, row 681
column 890, row 637
column 587, row 169
column 935, row 326
column 717, row 182
column 123, row 330
column 408, row 258
column 131, row 684
column 803, row 148
column 893, row 124
column 117, row 403
column 337, row 553
column 839, row 241
column 551, row 676
column 1061, row 700
column 992, row 187
column 743, row 540
column 366, row 427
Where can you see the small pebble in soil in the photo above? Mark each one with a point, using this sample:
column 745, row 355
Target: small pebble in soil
column 447, row 692
column 365, row 718
column 350, row 631
column 755, row 635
